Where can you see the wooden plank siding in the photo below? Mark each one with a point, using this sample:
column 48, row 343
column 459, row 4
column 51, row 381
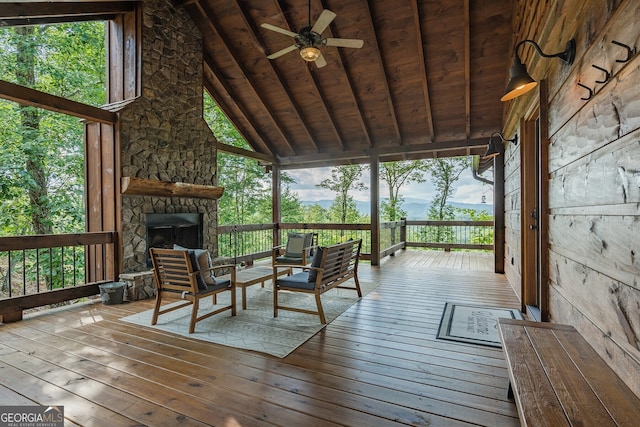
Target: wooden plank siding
column 378, row 364
column 593, row 191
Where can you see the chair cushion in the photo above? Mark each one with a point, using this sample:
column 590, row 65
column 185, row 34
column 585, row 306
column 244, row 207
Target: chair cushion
column 295, row 244
column 297, row 281
column 317, row 259
column 284, row 259
column 200, row 259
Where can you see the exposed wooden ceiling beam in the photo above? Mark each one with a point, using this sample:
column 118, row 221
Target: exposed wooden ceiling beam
column 244, row 153
column 467, row 69
column 34, row 13
column 254, row 92
column 385, row 79
column 27, row 96
column 423, row 68
column 416, row 151
column 221, row 100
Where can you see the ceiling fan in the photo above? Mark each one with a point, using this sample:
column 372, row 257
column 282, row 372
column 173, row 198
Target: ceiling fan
column 309, row 39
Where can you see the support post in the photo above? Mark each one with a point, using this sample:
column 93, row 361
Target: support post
column 276, row 202
column 498, row 213
column 375, row 209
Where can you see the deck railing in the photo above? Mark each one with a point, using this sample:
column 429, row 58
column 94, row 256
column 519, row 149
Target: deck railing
column 43, row 270
column 48, row 269
column 247, row 243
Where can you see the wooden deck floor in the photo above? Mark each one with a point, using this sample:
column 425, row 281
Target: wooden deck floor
column 379, row 364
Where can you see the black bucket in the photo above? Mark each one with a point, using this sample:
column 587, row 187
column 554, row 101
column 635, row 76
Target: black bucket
column 112, row 293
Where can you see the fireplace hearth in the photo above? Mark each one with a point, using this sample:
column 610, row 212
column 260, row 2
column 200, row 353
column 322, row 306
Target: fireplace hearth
column 165, row 230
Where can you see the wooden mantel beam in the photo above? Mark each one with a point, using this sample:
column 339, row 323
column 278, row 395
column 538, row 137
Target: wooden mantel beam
column 153, row 187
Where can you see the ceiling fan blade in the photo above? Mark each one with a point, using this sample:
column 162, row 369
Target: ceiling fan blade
column 281, row 52
column 355, row 43
column 278, row 29
column 323, row 21
column 320, row 61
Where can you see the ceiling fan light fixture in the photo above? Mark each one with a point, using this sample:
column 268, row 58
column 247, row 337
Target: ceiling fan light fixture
column 310, row 53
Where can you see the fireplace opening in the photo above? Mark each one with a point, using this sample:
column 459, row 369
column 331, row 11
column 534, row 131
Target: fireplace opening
column 165, row 230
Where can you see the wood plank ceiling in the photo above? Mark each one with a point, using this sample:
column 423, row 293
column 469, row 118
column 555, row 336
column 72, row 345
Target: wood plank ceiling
column 426, row 83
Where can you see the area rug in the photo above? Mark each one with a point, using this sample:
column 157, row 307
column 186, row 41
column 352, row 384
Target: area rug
column 255, row 328
column 473, row 324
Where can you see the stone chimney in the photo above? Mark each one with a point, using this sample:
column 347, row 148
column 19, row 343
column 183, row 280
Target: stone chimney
column 163, row 135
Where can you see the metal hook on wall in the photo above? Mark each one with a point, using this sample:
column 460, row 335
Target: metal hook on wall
column 587, row 88
column 630, row 51
column 607, row 74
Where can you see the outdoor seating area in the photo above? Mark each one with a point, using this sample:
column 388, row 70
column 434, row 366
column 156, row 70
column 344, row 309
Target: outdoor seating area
column 377, row 364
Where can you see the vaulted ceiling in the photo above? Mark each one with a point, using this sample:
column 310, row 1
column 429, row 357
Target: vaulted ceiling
column 426, row 83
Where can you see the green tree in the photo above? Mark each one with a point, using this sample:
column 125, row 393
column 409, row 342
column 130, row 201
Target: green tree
column 315, row 214
column 247, row 196
column 396, row 175
column 344, row 179
column 42, row 157
column 444, row 174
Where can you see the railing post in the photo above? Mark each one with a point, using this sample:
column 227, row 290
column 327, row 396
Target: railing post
column 403, row 232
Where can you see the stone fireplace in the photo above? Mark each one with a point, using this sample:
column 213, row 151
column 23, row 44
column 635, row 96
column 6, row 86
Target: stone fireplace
column 163, row 135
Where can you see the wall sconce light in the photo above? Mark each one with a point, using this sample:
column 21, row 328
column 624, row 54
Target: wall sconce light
column 494, row 148
column 519, row 79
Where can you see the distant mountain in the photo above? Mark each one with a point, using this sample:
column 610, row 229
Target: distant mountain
column 415, row 208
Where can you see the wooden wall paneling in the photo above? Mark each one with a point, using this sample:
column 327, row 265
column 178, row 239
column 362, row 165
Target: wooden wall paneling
column 612, row 302
column 618, row 358
column 601, row 52
column 611, row 114
column 607, row 244
column 605, row 177
column 552, row 37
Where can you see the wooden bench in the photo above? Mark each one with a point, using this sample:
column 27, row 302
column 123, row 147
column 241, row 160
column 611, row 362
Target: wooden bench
column 557, row 378
column 331, row 266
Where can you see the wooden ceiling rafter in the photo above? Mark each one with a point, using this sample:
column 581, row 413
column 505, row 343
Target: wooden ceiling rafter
column 423, row 69
column 385, row 79
column 467, row 68
column 222, row 103
column 225, row 44
column 350, row 89
column 352, row 95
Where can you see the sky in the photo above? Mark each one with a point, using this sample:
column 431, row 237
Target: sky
column 467, row 189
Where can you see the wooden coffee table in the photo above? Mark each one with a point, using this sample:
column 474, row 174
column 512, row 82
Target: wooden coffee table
column 252, row 276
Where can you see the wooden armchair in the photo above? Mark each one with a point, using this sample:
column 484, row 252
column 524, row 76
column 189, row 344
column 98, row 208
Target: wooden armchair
column 298, row 250
column 176, row 277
